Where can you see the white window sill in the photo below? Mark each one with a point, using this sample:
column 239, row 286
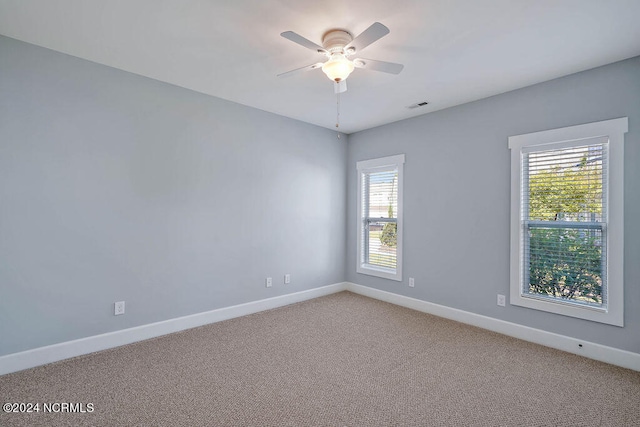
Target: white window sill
column 385, row 273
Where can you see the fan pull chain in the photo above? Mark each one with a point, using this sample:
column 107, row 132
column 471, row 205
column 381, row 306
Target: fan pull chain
column 338, row 114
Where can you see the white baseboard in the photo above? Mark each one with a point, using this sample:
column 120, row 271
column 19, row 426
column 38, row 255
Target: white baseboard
column 53, row 353
column 614, row 356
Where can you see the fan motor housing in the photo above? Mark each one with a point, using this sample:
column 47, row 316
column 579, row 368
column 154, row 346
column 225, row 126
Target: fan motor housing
column 336, row 40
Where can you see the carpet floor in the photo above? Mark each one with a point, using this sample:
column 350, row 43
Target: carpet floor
column 339, row 360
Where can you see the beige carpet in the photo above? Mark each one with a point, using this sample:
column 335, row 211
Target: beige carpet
column 340, row 360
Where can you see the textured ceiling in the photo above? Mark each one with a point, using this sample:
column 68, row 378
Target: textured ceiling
column 454, row 51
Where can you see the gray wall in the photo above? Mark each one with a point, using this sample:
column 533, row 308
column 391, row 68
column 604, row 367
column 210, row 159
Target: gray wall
column 456, row 200
column 117, row 187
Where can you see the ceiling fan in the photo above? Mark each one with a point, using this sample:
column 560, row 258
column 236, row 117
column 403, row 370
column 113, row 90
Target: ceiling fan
column 338, row 46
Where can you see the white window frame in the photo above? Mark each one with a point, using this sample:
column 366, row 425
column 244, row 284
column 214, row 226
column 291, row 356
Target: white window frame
column 365, row 166
column 613, row 310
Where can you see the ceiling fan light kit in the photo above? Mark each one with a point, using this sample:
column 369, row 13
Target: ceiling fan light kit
column 338, row 67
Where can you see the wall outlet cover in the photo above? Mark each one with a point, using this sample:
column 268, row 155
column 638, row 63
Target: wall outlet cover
column 501, row 300
column 118, row 308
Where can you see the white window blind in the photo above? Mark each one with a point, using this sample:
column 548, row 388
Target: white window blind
column 564, row 215
column 379, row 222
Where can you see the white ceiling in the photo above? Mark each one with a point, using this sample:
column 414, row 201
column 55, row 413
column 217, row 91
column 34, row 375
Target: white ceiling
column 454, row 51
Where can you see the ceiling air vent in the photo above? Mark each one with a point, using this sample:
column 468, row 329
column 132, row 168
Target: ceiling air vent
column 419, row 104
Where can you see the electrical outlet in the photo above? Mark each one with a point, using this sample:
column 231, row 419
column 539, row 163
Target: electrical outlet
column 268, row 282
column 118, row 308
column 501, row 300
column 287, row 279
column 412, row 282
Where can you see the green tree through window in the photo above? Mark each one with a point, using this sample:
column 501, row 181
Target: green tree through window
column 389, row 235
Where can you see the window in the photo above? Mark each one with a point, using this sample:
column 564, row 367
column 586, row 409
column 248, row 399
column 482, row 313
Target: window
column 567, row 221
column 380, row 217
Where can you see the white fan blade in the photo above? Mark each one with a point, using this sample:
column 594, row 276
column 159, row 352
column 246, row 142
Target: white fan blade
column 297, row 38
column 375, row 32
column 301, row 69
column 339, row 87
column 372, row 64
